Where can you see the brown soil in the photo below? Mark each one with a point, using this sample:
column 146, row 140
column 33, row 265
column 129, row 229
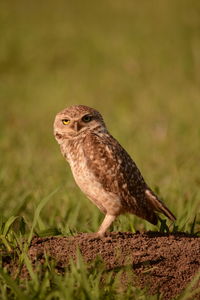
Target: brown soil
column 163, row 263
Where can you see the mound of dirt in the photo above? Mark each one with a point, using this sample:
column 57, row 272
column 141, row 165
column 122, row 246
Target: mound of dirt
column 165, row 263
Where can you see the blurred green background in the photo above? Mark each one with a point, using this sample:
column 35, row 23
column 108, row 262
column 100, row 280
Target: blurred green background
column 138, row 62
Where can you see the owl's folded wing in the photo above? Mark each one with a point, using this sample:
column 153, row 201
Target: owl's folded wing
column 112, row 165
column 117, row 172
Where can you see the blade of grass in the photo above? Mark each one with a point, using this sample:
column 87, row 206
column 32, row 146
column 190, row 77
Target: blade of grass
column 5, row 242
column 193, row 225
column 12, row 284
column 31, row 271
column 8, row 224
column 190, row 291
column 22, row 206
column 40, row 206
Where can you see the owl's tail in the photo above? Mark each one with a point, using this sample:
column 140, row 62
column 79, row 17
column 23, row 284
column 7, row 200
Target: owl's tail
column 158, row 205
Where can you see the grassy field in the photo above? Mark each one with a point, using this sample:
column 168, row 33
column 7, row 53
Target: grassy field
column 138, row 62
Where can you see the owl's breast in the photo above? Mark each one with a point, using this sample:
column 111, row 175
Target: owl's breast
column 90, row 185
column 83, row 176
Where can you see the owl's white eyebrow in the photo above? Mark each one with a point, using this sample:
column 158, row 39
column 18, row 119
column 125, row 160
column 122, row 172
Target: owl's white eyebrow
column 65, row 117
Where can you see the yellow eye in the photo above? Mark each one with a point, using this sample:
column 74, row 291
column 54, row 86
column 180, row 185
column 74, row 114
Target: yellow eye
column 65, row 121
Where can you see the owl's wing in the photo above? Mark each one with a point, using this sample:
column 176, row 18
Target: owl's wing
column 118, row 174
column 111, row 164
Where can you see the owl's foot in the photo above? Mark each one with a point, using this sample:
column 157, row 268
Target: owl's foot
column 93, row 236
column 100, row 234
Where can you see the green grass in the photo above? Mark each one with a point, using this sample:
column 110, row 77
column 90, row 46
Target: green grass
column 136, row 62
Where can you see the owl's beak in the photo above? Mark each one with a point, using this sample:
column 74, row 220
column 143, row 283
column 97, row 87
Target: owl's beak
column 76, row 126
column 58, row 137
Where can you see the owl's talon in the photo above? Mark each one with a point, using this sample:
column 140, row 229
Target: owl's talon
column 94, row 236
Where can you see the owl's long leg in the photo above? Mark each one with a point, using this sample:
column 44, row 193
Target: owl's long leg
column 106, row 224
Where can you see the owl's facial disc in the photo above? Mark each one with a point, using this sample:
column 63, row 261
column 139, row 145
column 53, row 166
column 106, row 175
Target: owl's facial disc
column 67, row 127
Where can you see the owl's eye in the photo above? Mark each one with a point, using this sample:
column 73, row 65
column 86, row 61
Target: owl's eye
column 86, row 118
column 65, row 121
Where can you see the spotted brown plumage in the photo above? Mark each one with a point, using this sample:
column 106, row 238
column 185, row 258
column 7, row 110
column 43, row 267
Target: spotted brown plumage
column 103, row 169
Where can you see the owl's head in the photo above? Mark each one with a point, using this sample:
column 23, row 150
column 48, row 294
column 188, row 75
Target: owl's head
column 75, row 120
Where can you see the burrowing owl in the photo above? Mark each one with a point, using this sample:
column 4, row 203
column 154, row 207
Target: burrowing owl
column 103, row 169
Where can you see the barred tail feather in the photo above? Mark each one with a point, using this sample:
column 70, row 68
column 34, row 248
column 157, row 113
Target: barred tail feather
column 158, row 205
